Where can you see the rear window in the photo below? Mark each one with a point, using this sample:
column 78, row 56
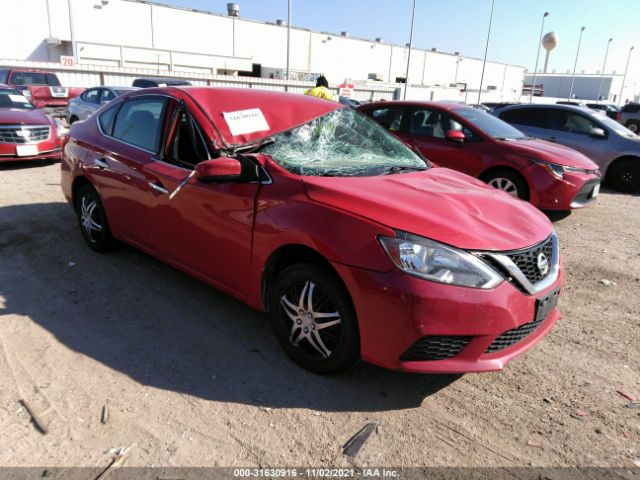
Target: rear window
column 631, row 108
column 139, row 123
column 34, row 78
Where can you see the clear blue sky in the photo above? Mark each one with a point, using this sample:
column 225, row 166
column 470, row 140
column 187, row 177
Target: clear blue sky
column 461, row 25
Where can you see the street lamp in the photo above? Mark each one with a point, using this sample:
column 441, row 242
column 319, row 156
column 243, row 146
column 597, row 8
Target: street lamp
column 486, row 49
column 604, row 64
column 406, row 77
column 72, row 30
column 624, row 78
column 535, row 70
column 575, row 65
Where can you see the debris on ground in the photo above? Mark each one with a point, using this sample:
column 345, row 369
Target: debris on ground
column 625, row 434
column 355, row 443
column 35, row 418
column 533, row 443
column 117, row 459
column 104, row 418
column 579, row 413
column 633, row 405
column 546, row 400
column 627, row 395
column 607, row 283
column 636, row 462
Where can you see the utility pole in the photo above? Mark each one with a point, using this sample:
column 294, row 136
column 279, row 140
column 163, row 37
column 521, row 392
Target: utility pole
column 604, row 64
column 486, row 49
column 575, row 65
column 535, row 70
column 406, row 77
column 288, row 40
column 624, row 78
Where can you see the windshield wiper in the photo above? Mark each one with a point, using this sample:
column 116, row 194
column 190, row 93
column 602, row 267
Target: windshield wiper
column 403, row 168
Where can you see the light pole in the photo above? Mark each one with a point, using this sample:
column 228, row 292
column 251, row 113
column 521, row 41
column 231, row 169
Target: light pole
column 486, row 49
column 604, row 64
column 575, row 65
column 288, row 38
column 455, row 79
column 535, row 70
column 624, row 78
column 406, row 77
column 74, row 47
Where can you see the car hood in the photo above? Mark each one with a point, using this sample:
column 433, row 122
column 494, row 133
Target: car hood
column 440, row 204
column 551, row 152
column 17, row 116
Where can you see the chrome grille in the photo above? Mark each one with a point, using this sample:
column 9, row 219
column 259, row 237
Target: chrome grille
column 24, row 133
column 526, row 260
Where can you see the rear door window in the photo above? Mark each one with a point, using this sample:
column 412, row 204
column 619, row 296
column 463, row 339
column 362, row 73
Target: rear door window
column 91, row 96
column 139, row 122
column 530, row 117
column 429, row 123
column 106, row 96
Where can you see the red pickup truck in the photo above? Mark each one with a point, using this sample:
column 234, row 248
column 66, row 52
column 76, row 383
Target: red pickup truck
column 42, row 88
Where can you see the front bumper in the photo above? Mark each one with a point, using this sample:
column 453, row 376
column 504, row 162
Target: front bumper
column 395, row 310
column 51, row 154
column 550, row 193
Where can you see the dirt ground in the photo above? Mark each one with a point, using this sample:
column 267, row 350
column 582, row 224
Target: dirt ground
column 191, row 377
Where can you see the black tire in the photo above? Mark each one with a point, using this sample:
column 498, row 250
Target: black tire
column 633, row 125
column 72, row 120
column 93, row 220
column 339, row 346
column 510, row 179
column 624, row 175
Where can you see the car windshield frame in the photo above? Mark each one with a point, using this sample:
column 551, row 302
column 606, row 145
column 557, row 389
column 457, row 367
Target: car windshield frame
column 490, row 125
column 19, row 105
column 342, row 143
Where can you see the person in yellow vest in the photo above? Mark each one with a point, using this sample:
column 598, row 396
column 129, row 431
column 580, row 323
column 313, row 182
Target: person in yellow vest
column 321, row 90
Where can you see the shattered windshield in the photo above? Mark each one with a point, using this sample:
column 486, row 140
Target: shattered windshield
column 342, row 143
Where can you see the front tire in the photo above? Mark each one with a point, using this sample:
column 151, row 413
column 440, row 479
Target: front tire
column 314, row 320
column 509, row 182
column 93, row 220
column 624, row 175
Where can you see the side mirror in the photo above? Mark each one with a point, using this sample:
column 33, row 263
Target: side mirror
column 598, row 133
column 455, row 136
column 218, row 170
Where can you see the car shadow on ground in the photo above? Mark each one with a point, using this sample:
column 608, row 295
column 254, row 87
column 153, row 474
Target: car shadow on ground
column 164, row 329
column 24, row 164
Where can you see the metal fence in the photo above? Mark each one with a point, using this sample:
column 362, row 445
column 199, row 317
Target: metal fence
column 95, row 75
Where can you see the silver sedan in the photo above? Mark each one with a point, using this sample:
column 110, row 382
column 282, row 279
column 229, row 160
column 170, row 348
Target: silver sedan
column 83, row 106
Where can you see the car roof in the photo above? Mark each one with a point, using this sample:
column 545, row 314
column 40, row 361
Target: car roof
column 443, row 105
column 166, row 80
column 281, row 111
column 556, row 106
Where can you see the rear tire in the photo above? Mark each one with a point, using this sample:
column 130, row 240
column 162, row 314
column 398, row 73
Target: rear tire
column 624, row 175
column 72, row 120
column 633, row 125
column 93, row 220
column 313, row 319
column 508, row 181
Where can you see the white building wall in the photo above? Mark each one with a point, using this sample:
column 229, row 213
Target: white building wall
column 136, row 34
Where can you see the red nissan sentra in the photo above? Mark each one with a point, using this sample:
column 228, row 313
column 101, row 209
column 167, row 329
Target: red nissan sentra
column 548, row 175
column 315, row 214
column 26, row 133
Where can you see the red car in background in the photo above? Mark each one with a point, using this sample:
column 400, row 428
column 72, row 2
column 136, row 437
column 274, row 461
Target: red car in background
column 26, row 133
column 42, row 88
column 550, row 176
column 312, row 212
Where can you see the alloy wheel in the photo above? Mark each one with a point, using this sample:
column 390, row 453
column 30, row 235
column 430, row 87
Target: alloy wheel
column 312, row 318
column 505, row 185
column 89, row 219
column 633, row 127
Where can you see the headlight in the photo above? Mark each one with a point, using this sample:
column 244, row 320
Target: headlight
column 437, row 262
column 558, row 171
column 60, row 127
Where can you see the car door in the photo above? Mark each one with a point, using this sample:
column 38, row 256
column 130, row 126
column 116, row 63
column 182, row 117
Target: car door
column 90, row 103
column 530, row 120
column 130, row 134
column 425, row 128
column 203, row 228
column 574, row 130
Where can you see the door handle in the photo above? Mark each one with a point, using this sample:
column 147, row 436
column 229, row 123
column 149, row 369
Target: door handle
column 101, row 163
column 158, row 187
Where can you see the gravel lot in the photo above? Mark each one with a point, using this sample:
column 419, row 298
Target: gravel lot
column 192, row 377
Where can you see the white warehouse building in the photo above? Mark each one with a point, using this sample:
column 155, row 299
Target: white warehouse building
column 127, row 34
column 607, row 88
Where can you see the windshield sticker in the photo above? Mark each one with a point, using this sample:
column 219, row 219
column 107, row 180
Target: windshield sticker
column 18, row 99
column 246, row 121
